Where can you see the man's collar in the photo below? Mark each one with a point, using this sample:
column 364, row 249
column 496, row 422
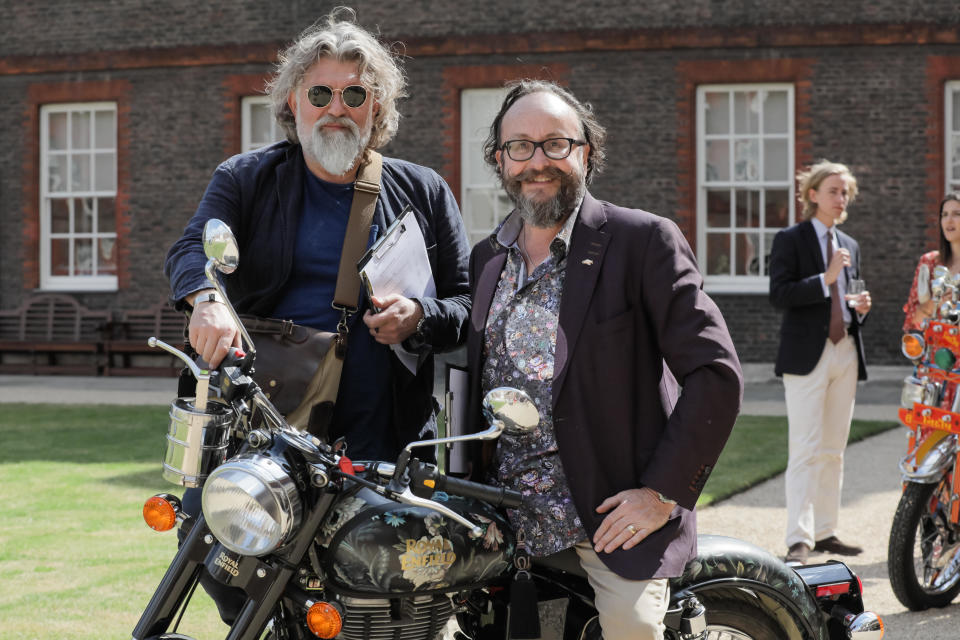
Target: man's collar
column 821, row 228
column 510, row 229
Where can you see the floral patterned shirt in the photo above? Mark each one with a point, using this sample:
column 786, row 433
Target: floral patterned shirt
column 928, row 261
column 519, row 343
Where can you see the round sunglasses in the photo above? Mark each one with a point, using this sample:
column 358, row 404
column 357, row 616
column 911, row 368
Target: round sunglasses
column 321, row 95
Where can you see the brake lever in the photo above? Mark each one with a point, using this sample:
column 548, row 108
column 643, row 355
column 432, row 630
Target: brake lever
column 407, row 497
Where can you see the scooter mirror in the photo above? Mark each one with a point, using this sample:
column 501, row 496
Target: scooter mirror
column 937, row 286
column 220, row 245
column 512, row 408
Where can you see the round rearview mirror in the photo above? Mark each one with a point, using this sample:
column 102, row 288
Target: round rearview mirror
column 937, row 286
column 220, row 245
column 512, row 408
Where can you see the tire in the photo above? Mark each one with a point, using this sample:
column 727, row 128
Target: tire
column 920, row 527
column 740, row 616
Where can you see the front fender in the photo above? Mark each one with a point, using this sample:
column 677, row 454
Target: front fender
column 724, row 562
column 926, row 464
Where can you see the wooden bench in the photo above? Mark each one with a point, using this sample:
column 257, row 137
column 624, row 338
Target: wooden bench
column 128, row 341
column 52, row 333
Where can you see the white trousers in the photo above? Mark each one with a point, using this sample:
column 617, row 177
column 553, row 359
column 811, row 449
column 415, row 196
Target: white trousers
column 819, row 410
column 629, row 609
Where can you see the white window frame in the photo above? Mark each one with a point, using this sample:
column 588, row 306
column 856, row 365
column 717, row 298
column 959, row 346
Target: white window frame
column 472, row 133
column 951, row 135
column 246, row 134
column 48, row 281
column 741, row 283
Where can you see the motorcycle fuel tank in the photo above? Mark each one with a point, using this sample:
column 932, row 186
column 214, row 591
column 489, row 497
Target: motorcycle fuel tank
column 375, row 546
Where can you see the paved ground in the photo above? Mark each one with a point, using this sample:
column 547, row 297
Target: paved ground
column 870, row 494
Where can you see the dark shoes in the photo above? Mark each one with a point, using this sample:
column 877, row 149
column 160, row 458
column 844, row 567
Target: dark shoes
column 797, row 554
column 833, row 545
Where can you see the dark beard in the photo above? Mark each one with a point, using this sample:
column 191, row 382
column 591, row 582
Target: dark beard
column 551, row 212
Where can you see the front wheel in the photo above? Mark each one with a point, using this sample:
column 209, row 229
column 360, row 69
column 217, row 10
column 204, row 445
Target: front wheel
column 924, row 552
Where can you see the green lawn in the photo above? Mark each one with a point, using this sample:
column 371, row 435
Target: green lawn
column 77, row 561
column 76, row 558
column 757, row 450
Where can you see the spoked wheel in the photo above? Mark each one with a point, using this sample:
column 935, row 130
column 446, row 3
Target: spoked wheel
column 733, row 615
column 924, row 551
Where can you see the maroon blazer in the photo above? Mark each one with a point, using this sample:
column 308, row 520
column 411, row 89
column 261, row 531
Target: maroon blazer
column 632, row 303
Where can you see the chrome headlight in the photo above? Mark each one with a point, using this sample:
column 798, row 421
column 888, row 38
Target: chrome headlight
column 251, row 505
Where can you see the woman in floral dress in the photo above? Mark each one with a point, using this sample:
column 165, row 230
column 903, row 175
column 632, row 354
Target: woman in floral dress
column 919, row 304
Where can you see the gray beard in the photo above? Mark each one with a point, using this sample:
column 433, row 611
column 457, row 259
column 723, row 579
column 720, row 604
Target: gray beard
column 336, row 151
column 547, row 213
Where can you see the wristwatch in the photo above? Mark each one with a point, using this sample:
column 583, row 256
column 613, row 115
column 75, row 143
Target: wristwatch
column 212, row 296
column 662, row 498
column 418, row 332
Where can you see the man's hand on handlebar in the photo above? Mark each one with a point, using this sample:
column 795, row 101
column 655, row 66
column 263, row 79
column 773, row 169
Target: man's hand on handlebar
column 212, row 331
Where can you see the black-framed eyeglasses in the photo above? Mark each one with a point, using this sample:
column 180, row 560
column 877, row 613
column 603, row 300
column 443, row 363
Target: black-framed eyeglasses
column 553, row 148
column 321, row 95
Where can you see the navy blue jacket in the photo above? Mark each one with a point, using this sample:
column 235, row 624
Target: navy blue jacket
column 259, row 195
column 796, row 262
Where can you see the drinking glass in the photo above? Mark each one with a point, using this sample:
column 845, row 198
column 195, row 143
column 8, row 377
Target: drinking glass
column 855, row 287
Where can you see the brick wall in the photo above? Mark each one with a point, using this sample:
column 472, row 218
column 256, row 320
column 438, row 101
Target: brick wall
column 868, row 76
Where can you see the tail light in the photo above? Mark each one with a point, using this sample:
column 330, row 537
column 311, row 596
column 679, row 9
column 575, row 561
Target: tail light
column 160, row 512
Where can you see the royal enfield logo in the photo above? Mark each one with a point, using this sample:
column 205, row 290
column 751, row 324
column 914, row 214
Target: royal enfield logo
column 228, row 564
column 427, row 560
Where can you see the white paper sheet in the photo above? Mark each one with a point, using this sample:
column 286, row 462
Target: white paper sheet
column 398, row 263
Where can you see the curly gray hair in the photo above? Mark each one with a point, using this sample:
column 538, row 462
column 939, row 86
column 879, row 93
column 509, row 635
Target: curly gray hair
column 338, row 36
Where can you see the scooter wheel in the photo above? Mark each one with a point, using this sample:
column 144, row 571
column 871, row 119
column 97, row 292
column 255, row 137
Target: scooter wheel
column 922, row 572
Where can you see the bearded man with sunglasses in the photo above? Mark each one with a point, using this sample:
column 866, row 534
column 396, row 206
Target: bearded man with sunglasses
column 334, row 94
column 598, row 312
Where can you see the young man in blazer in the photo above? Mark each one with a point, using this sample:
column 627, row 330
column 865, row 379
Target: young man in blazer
column 820, row 355
column 597, row 312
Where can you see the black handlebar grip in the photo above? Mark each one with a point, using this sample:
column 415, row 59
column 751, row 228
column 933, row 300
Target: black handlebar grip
column 497, row 496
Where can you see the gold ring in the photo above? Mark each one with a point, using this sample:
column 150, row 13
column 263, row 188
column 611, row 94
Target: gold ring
column 632, row 529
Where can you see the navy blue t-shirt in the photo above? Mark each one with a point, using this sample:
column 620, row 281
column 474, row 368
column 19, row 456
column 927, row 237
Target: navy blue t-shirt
column 365, row 400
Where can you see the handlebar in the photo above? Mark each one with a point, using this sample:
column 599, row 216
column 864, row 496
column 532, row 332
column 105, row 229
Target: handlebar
column 497, row 496
column 425, row 479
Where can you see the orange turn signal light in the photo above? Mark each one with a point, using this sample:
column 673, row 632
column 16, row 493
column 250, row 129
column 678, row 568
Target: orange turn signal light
column 160, row 512
column 912, row 345
column 323, row 620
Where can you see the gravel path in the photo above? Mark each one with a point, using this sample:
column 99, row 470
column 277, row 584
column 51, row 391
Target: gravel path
column 871, row 492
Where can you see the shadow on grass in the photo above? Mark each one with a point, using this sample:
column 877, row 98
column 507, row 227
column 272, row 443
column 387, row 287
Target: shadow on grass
column 757, row 451
column 149, row 480
column 81, row 434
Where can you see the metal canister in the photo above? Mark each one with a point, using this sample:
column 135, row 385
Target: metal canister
column 196, row 441
column 913, row 391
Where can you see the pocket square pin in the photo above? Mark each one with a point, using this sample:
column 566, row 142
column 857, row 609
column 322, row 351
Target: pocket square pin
column 587, row 262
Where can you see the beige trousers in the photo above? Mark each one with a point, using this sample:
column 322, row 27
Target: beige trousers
column 629, row 609
column 819, row 410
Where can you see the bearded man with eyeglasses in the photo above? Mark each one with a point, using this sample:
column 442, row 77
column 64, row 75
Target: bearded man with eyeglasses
column 598, row 312
column 334, row 93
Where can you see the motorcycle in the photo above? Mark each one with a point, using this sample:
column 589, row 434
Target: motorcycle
column 924, row 547
column 321, row 546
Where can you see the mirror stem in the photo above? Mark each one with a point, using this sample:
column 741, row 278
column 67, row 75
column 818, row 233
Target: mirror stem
column 211, row 270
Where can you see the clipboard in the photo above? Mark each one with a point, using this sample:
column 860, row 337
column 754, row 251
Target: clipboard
column 397, row 263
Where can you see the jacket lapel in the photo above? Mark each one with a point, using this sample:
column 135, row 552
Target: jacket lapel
column 487, row 285
column 588, row 245
column 813, row 244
